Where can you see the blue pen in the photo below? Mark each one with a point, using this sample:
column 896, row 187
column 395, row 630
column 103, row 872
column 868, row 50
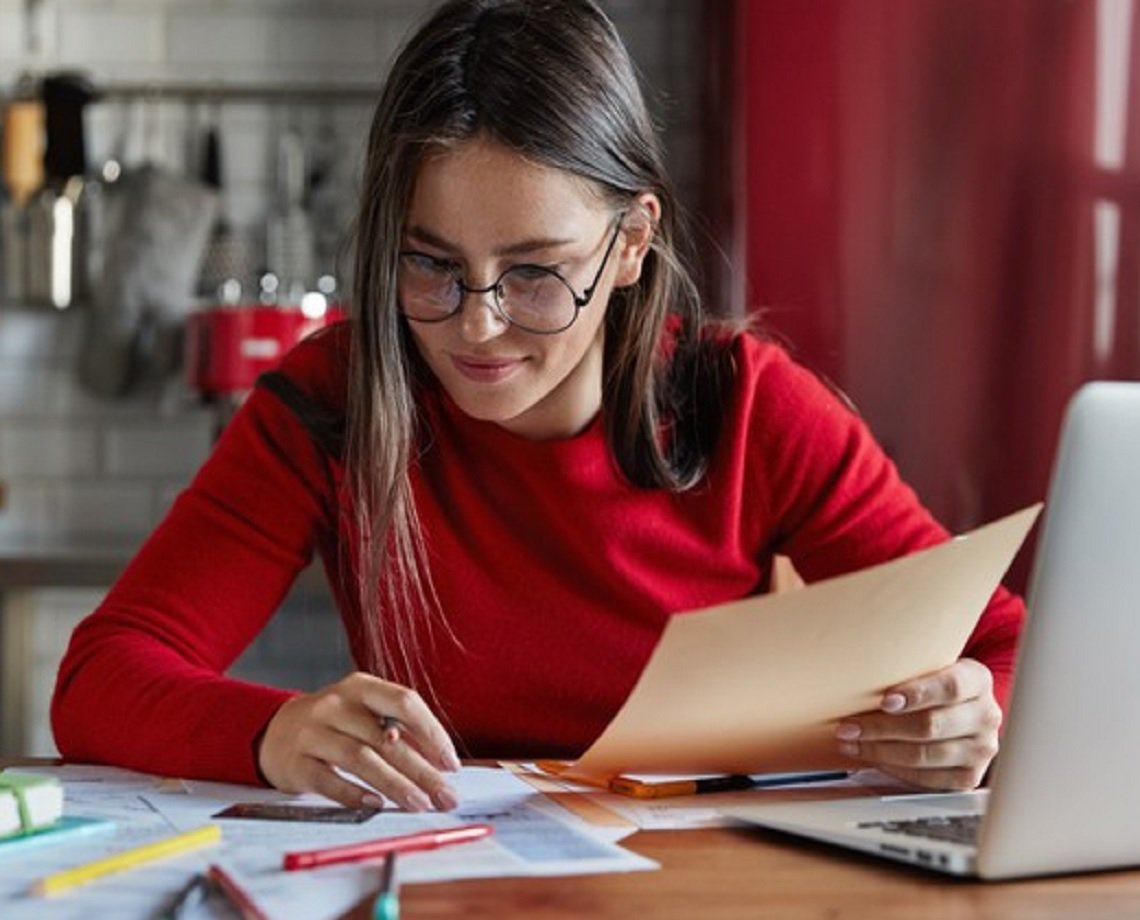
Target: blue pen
column 387, row 903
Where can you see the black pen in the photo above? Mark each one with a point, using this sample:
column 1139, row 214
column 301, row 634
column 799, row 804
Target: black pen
column 647, row 789
column 189, row 894
column 387, row 903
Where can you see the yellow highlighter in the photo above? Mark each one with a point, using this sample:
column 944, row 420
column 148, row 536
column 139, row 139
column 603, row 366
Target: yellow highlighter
column 128, row 859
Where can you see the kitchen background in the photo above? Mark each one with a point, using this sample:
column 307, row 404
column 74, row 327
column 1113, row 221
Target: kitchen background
column 935, row 203
column 280, row 83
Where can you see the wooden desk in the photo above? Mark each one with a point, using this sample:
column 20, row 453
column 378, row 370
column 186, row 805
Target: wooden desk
column 723, row 874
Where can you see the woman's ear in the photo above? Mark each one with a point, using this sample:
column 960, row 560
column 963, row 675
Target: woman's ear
column 639, row 225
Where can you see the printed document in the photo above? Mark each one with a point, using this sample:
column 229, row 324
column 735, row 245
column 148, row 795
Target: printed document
column 533, row 837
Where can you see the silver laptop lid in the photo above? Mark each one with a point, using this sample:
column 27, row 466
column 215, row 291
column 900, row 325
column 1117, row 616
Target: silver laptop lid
column 1066, row 792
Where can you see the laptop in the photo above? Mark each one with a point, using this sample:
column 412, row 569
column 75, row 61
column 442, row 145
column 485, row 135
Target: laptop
column 1065, row 791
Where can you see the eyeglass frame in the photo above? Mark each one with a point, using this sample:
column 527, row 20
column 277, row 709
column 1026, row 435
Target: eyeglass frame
column 580, row 300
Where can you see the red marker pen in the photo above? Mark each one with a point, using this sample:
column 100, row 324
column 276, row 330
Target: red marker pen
column 373, row 849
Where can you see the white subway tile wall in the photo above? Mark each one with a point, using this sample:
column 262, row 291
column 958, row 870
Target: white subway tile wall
column 11, row 26
column 57, row 449
column 43, row 622
column 201, row 41
column 122, row 507
column 109, row 38
column 302, row 648
column 156, row 448
column 75, row 464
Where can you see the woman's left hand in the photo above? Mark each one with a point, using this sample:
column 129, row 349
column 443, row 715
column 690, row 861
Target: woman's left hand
column 939, row 731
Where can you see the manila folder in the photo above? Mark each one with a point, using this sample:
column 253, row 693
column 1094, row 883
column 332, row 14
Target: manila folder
column 757, row 685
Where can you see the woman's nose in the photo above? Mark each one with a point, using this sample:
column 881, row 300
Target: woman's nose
column 480, row 318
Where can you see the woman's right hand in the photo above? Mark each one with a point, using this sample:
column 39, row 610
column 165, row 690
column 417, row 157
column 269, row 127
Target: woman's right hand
column 341, row 725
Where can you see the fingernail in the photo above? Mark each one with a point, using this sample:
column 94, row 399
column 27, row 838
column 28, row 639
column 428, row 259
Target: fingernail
column 848, row 731
column 893, row 702
column 849, row 750
column 371, row 801
column 450, row 761
column 446, row 799
column 418, row 801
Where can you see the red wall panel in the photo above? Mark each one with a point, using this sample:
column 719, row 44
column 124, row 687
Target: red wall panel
column 916, row 185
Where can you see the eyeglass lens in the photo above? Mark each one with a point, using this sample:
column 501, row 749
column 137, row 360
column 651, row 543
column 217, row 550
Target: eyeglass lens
column 529, row 296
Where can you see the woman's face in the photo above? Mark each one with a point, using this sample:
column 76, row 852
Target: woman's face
column 480, row 209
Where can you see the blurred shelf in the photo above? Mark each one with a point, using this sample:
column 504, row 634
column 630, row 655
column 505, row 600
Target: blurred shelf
column 242, row 92
column 36, row 561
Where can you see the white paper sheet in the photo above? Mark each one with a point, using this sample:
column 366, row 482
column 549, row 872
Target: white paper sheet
column 532, row 838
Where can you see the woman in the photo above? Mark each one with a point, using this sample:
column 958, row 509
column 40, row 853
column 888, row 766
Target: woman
column 525, row 451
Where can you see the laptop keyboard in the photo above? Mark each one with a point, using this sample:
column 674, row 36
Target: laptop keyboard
column 949, row 828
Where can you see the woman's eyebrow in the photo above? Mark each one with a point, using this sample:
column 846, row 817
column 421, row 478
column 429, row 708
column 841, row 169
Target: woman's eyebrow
column 422, row 235
column 522, row 247
column 538, row 244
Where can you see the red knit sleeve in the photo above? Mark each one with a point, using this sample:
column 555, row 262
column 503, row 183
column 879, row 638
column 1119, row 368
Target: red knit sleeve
column 142, row 684
column 837, row 499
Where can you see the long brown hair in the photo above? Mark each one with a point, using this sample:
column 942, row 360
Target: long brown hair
column 551, row 80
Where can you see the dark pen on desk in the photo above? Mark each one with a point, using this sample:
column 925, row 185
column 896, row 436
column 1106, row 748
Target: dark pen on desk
column 387, row 903
column 192, row 893
column 648, row 789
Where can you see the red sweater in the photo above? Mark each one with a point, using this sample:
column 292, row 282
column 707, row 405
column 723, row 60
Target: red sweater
column 555, row 575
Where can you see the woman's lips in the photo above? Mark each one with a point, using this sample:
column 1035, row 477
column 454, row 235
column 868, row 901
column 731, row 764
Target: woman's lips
column 485, row 370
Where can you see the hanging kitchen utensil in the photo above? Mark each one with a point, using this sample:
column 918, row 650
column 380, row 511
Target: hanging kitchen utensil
column 23, row 138
column 227, row 256
column 289, row 235
column 147, row 287
column 102, row 193
column 56, row 250
column 332, row 198
column 23, row 174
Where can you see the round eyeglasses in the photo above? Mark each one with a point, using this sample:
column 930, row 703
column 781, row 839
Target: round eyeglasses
column 532, row 297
